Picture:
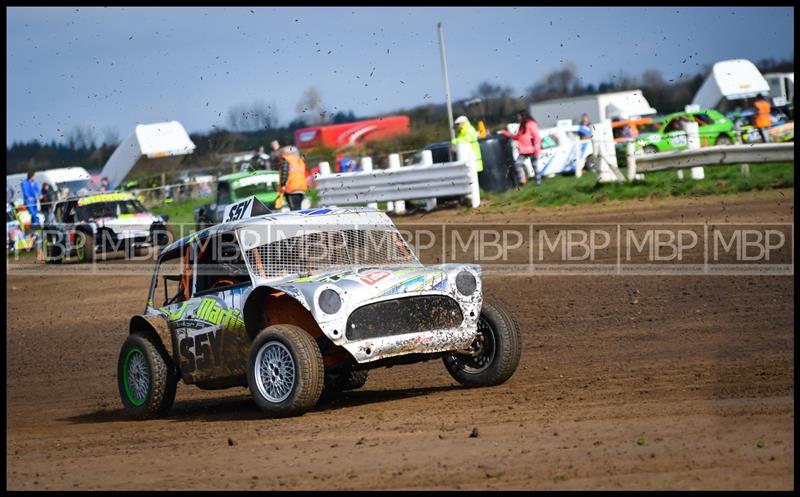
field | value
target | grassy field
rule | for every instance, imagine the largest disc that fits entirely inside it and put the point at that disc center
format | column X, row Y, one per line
column 181, row 212
column 568, row 190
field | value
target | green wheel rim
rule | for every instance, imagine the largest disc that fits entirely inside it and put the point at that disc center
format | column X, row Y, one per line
column 138, row 356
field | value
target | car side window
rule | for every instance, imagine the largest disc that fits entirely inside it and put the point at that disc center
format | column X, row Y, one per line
column 549, row 141
column 220, row 264
column 703, row 119
column 168, row 282
column 674, row 125
column 224, row 193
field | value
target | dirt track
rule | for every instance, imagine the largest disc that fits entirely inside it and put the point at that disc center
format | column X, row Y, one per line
column 658, row 382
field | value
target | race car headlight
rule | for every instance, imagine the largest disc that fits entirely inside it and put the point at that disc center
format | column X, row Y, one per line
column 330, row 301
column 465, row 283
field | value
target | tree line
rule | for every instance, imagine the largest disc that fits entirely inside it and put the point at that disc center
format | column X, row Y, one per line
column 253, row 124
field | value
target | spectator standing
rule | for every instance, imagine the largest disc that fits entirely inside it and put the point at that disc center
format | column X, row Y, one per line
column 762, row 120
column 48, row 198
column 530, row 144
column 466, row 133
column 104, row 185
column 261, row 160
column 275, row 155
column 31, row 193
column 584, row 131
column 293, row 183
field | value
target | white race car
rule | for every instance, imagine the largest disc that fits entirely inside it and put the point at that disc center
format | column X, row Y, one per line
column 562, row 151
column 289, row 303
column 105, row 222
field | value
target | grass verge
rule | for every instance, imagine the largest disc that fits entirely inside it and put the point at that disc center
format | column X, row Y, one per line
column 568, row 190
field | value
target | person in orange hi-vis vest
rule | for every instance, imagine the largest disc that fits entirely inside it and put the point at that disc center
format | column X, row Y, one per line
column 293, row 178
column 762, row 120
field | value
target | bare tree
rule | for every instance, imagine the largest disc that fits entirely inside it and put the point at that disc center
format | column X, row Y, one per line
column 309, row 104
column 494, row 99
column 81, row 137
column 557, row 84
column 110, row 136
column 254, row 116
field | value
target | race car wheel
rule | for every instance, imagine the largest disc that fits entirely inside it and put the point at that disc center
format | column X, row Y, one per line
column 161, row 235
column 85, row 249
column 590, row 164
column 146, row 378
column 650, row 149
column 724, row 140
column 129, row 249
column 53, row 251
column 285, row 371
column 350, row 380
column 494, row 355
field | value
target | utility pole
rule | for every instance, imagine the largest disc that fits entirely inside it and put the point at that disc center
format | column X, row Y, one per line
column 446, row 81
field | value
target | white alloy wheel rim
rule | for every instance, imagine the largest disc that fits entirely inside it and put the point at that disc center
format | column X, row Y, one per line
column 274, row 372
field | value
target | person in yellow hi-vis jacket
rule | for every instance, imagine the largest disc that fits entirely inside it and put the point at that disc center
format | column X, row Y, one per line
column 466, row 133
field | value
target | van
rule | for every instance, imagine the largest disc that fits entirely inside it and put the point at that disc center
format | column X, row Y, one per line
column 65, row 181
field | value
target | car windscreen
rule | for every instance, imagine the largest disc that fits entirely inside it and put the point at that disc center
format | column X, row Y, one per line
column 73, row 188
column 109, row 209
column 649, row 127
column 254, row 185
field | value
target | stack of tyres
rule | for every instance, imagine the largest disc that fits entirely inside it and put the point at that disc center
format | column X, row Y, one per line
column 440, row 152
column 498, row 173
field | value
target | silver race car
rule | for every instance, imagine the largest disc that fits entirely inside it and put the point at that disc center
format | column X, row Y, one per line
column 294, row 304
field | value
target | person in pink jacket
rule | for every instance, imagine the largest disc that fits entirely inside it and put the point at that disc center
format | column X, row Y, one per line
column 530, row 144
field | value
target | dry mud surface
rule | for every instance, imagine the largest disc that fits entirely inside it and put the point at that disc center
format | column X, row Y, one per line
column 634, row 382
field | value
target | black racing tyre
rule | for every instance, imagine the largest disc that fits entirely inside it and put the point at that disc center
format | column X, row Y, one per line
column 129, row 249
column 53, row 251
column 161, row 235
column 724, row 140
column 349, row 380
column 85, row 250
column 590, row 164
column 146, row 377
column 650, row 149
column 494, row 355
column 285, row 371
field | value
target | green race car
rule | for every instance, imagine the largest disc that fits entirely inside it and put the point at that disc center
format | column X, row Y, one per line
column 715, row 129
column 232, row 188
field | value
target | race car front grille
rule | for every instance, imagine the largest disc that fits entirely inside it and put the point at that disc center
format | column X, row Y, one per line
column 325, row 250
column 404, row 315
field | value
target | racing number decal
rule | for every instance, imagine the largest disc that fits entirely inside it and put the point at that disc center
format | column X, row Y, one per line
column 201, row 351
column 239, row 210
column 678, row 140
column 204, row 351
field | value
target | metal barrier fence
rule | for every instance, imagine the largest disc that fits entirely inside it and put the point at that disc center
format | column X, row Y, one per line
column 695, row 157
column 398, row 184
column 761, row 153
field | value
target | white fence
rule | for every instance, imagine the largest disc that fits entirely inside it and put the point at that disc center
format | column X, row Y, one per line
column 424, row 181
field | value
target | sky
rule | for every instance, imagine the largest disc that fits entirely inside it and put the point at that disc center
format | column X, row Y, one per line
column 112, row 68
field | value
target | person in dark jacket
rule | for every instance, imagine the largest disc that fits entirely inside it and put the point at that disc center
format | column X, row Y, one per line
column 47, row 198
